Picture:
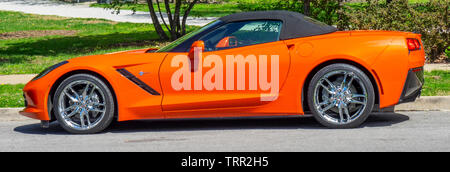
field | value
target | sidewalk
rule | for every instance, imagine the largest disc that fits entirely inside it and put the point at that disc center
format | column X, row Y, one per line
column 11, row 114
column 426, row 103
column 50, row 7
column 16, row 79
column 430, row 67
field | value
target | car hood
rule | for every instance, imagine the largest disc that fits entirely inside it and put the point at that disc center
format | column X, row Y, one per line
column 121, row 58
column 138, row 51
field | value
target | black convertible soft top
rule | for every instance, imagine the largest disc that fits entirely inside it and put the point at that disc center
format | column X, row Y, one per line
column 295, row 25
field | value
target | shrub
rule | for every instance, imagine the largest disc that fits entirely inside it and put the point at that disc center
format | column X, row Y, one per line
column 447, row 51
column 429, row 19
column 433, row 24
column 322, row 10
column 326, row 11
column 263, row 5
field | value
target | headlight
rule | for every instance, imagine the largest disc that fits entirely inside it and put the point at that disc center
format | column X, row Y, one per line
column 48, row 70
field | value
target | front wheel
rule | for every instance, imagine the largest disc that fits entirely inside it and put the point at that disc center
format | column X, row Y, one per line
column 340, row 96
column 83, row 104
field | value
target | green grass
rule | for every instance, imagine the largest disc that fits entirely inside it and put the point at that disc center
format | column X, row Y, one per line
column 11, row 95
column 93, row 36
column 199, row 10
column 447, row 51
column 437, row 83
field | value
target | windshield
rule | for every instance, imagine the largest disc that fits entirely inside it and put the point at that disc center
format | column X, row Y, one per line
column 187, row 36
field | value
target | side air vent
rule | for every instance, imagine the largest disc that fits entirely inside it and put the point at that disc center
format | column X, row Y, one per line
column 138, row 82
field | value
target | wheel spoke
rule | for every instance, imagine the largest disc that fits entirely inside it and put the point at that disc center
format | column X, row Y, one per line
column 343, row 81
column 98, row 104
column 86, row 114
column 91, row 93
column 358, row 95
column 85, row 90
column 347, row 114
column 97, row 110
column 327, row 108
column 76, row 94
column 357, row 102
column 341, row 116
column 71, row 114
column 71, row 97
column 326, row 88
column 69, row 108
column 329, row 83
column 324, row 103
column 351, row 80
column 83, row 125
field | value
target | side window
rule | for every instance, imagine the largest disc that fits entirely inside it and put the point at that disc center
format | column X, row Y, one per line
column 239, row 34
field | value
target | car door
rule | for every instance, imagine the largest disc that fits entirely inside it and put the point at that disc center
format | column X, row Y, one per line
column 243, row 64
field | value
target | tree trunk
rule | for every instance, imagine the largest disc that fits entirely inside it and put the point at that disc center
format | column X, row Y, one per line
column 159, row 30
column 176, row 25
column 176, row 17
column 169, row 13
column 307, row 7
column 186, row 14
column 161, row 15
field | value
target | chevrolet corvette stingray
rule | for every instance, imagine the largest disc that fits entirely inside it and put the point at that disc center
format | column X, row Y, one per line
column 264, row 63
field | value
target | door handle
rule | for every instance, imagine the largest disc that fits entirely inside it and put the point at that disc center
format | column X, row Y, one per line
column 290, row 46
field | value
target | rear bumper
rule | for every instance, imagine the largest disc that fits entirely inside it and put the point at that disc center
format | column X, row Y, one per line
column 413, row 85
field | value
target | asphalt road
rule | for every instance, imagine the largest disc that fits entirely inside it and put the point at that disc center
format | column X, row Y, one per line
column 401, row 131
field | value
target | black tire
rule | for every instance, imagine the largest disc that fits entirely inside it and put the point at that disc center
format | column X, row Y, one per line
column 363, row 80
column 108, row 102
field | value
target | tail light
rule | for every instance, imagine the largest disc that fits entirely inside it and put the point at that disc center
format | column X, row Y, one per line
column 413, row 44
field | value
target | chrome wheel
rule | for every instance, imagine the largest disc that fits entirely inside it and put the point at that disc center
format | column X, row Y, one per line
column 81, row 105
column 340, row 97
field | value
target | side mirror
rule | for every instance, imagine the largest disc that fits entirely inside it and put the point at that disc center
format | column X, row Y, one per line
column 196, row 54
column 197, row 44
column 229, row 41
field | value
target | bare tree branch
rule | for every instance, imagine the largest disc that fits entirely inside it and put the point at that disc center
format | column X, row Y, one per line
column 169, row 13
column 156, row 23
column 176, row 16
column 160, row 14
column 186, row 14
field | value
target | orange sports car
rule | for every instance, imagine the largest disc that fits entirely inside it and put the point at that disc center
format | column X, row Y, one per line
column 264, row 63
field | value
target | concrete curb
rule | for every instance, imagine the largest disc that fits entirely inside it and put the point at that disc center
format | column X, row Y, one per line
column 436, row 66
column 425, row 103
column 12, row 114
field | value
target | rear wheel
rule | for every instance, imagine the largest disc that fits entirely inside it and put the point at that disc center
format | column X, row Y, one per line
column 83, row 104
column 340, row 96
